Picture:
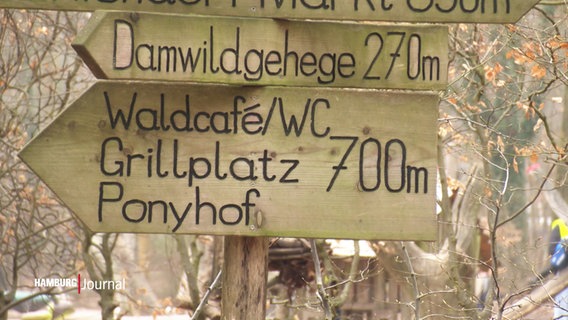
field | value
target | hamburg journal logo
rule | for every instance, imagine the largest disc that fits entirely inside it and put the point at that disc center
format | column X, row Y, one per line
column 80, row 284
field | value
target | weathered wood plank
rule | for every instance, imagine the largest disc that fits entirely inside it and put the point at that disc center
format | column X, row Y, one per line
column 211, row 159
column 264, row 52
column 245, row 268
column 468, row 11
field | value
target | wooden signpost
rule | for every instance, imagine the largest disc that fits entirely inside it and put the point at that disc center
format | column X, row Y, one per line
column 210, row 159
column 264, row 52
column 449, row 11
column 252, row 162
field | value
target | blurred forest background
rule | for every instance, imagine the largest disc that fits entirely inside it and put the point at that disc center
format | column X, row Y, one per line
column 503, row 143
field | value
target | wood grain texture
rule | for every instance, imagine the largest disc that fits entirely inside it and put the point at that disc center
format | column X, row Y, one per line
column 242, row 51
column 211, row 159
column 451, row 11
column 245, row 268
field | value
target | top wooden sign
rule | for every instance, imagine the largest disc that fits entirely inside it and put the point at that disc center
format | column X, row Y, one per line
column 447, row 11
column 245, row 51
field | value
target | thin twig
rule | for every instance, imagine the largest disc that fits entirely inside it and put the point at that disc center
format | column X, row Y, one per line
column 533, row 200
column 203, row 301
column 322, row 295
column 414, row 283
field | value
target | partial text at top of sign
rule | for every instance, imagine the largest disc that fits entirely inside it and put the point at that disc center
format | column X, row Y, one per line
column 467, row 11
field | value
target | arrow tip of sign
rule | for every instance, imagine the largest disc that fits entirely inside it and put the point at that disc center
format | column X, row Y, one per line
column 89, row 60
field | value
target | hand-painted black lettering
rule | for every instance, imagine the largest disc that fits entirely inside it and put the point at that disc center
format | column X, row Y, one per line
column 469, row 10
column 377, row 164
column 180, row 119
column 368, row 75
column 448, row 10
column 292, row 124
column 134, row 203
column 431, row 65
column 320, row 4
column 115, row 195
column 145, row 50
column 236, row 113
column 170, row 53
column 119, row 116
column 119, row 169
column 341, row 165
column 386, row 7
column 212, row 68
column 257, row 58
column 265, row 160
column 308, row 60
column 160, row 203
column 327, row 65
column 269, row 116
column 218, row 174
column 147, row 119
column 191, row 58
column 220, row 122
column 369, row 3
column 242, row 169
column 327, row 129
column 159, row 172
column 402, row 165
column 129, row 158
column 418, row 64
column 416, row 172
column 178, row 175
column 293, row 164
column 416, row 9
column 457, row 6
column 289, row 54
column 346, row 65
column 233, row 59
column 413, row 61
column 252, row 120
column 122, row 55
column 149, row 162
column 191, row 2
column 248, row 204
column 163, row 125
column 308, row 4
column 396, row 54
column 111, row 195
column 230, row 207
column 273, row 58
column 204, row 115
column 179, row 219
column 199, row 206
column 199, row 168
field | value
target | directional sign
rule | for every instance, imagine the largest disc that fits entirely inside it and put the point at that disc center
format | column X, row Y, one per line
column 264, row 52
column 467, row 11
column 258, row 161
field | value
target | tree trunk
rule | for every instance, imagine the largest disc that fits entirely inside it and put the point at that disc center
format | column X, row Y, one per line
column 107, row 304
column 244, row 278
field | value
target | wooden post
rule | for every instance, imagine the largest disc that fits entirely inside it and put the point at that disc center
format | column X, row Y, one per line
column 244, row 278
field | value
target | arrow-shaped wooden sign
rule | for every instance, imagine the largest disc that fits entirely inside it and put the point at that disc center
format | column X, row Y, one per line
column 451, row 11
column 209, row 159
column 264, row 52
